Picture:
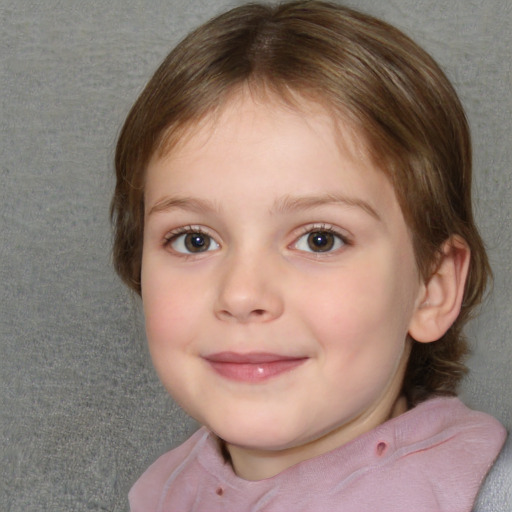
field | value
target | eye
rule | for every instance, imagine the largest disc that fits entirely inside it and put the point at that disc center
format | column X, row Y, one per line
column 191, row 242
column 320, row 240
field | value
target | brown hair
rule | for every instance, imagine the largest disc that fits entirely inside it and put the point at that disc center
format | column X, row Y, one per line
column 363, row 69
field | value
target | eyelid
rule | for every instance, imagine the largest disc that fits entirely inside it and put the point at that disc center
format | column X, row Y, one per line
column 324, row 226
column 189, row 228
column 345, row 238
column 174, row 234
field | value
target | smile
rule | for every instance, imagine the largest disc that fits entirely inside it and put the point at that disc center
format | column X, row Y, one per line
column 253, row 367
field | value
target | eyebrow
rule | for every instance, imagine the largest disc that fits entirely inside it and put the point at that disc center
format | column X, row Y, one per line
column 192, row 204
column 293, row 203
column 283, row 205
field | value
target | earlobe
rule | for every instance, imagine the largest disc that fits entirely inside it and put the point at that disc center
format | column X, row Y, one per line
column 440, row 298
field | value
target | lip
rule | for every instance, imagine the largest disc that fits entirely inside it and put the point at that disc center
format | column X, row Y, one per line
column 252, row 367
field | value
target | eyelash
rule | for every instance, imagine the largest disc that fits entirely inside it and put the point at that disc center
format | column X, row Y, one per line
column 175, row 234
column 323, row 228
column 306, row 230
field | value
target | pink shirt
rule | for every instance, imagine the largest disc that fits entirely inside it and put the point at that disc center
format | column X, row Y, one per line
column 432, row 458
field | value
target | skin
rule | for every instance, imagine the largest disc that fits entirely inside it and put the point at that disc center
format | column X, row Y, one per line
column 255, row 182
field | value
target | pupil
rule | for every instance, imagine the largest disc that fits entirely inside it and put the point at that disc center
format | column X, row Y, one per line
column 321, row 241
column 196, row 242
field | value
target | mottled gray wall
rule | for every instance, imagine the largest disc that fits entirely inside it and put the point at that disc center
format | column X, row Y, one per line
column 81, row 411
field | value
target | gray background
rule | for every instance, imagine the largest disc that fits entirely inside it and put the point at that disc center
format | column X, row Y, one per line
column 81, row 411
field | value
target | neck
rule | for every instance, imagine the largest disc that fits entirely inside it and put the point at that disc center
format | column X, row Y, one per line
column 258, row 464
column 255, row 464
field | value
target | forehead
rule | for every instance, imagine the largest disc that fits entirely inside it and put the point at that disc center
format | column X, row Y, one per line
column 244, row 103
column 270, row 150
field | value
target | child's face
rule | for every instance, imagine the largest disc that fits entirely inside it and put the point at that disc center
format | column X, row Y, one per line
column 278, row 280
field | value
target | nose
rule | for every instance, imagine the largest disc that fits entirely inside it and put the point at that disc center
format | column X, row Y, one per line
column 249, row 290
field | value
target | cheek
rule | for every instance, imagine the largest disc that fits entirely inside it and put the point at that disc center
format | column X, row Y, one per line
column 362, row 335
column 359, row 310
column 170, row 322
column 168, row 309
column 348, row 302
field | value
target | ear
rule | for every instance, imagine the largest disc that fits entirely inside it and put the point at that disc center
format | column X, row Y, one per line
column 440, row 298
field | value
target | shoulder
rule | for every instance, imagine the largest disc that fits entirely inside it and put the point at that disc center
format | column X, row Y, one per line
column 145, row 495
column 448, row 420
column 443, row 450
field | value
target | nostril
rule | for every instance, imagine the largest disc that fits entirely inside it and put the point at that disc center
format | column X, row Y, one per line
column 259, row 312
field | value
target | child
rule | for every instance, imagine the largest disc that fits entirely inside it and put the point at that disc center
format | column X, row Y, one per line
column 293, row 206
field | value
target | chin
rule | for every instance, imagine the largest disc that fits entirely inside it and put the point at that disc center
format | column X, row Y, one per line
column 257, row 437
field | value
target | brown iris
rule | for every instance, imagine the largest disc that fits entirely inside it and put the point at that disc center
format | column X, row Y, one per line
column 197, row 242
column 321, row 241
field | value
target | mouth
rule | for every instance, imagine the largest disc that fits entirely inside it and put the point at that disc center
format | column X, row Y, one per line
column 252, row 367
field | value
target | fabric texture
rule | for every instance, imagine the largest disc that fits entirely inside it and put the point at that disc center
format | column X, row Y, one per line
column 432, row 458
